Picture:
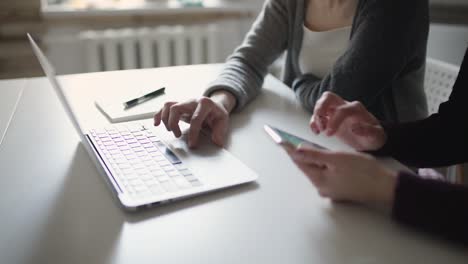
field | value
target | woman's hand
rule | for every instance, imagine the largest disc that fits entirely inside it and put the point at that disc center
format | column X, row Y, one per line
column 349, row 121
column 212, row 112
column 344, row 176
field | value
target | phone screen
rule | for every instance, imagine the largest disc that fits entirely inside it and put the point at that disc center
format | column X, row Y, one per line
column 280, row 137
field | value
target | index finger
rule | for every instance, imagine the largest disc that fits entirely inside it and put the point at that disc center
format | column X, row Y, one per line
column 327, row 102
column 196, row 122
column 324, row 107
column 157, row 118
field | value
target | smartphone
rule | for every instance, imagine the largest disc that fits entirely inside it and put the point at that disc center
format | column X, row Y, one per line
column 281, row 137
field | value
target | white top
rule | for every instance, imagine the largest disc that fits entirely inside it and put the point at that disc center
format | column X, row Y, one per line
column 320, row 50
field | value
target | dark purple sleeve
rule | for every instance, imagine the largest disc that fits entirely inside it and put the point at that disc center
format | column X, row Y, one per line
column 439, row 140
column 436, row 207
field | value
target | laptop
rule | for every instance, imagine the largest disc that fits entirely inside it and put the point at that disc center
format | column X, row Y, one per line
column 142, row 168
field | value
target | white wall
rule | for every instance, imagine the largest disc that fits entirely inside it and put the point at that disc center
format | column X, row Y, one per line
column 448, row 42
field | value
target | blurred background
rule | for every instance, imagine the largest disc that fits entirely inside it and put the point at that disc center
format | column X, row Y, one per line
column 96, row 35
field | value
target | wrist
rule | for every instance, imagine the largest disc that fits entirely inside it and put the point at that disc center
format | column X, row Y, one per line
column 225, row 99
column 384, row 191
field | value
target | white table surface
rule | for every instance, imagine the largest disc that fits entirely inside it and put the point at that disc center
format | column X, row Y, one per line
column 10, row 94
column 57, row 209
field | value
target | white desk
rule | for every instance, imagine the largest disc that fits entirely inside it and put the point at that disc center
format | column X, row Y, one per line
column 10, row 94
column 57, row 209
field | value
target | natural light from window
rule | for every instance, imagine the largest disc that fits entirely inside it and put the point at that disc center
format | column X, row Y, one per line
column 123, row 4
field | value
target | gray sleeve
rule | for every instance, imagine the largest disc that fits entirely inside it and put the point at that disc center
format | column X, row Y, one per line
column 386, row 39
column 245, row 69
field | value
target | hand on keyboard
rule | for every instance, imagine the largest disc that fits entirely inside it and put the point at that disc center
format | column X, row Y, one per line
column 199, row 113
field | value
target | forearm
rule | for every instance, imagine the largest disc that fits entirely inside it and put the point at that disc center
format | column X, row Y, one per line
column 432, row 206
column 432, row 142
column 244, row 71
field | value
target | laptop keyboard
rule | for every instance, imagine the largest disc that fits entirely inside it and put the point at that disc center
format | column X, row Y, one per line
column 141, row 162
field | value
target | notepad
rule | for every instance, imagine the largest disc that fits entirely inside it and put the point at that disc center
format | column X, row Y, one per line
column 114, row 110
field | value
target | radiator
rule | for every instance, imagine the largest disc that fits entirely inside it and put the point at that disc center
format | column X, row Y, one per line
column 117, row 49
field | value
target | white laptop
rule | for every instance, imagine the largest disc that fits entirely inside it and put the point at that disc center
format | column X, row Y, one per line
column 143, row 170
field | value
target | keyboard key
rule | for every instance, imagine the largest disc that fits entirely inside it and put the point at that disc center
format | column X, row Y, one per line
column 113, row 150
column 147, row 158
column 139, row 166
column 185, row 172
column 128, row 137
column 153, row 151
column 155, row 168
column 135, row 183
column 154, row 139
column 118, row 155
column 160, row 176
column 146, row 177
column 190, row 178
column 124, row 166
column 130, row 176
column 160, row 157
column 164, row 163
column 169, row 186
column 121, row 144
column 180, row 166
column 145, row 141
column 127, row 152
column 163, row 178
column 182, row 182
column 138, row 149
column 167, row 169
column 127, row 170
column 133, row 143
column 196, row 183
column 151, row 182
column 134, row 162
column 173, row 173
column 144, row 173
column 141, row 154
column 156, row 189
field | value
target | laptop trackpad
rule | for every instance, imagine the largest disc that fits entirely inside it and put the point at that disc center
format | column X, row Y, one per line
column 208, row 161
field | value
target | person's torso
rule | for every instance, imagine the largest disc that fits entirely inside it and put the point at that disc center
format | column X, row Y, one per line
column 393, row 100
column 320, row 50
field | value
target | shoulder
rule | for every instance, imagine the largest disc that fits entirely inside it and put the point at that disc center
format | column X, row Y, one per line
column 284, row 6
column 391, row 5
column 393, row 11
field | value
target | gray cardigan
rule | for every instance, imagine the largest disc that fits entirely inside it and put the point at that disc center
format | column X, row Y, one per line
column 383, row 67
